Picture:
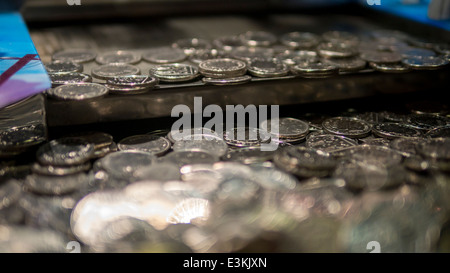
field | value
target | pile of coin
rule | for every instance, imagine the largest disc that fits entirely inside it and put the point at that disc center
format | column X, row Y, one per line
column 333, row 184
column 237, row 59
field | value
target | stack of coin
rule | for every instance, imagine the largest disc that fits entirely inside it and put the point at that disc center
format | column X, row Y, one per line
column 132, row 84
column 289, row 130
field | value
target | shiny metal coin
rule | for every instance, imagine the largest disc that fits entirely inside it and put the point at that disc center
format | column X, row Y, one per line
column 120, row 56
column 299, row 56
column 329, row 143
column 98, row 139
column 108, row 71
column 435, row 148
column 61, row 78
column 78, row 91
column 319, row 69
column 55, row 67
column 258, row 38
column 392, row 130
column 246, row 136
column 439, row 132
column 65, row 152
column 248, row 155
column 381, row 56
column 55, row 185
column 175, row 135
column 133, row 81
column 227, row 43
column 146, row 143
column 272, row 67
column 416, row 52
column 273, row 179
column 175, row 72
column 182, row 158
column 189, row 45
column 336, row 50
column 227, row 81
column 406, row 145
column 222, row 68
column 201, row 55
column 59, row 170
column 427, row 121
column 340, row 37
column 374, row 154
column 300, row 39
column 126, row 90
column 164, row 55
column 245, row 54
column 22, row 136
column 347, row 64
column 390, row 67
column 287, row 128
column 425, row 63
column 74, row 55
column 345, row 126
column 124, row 164
column 205, row 142
column 376, row 141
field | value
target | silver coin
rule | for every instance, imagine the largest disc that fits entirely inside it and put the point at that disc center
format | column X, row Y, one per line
column 390, row 67
column 126, row 90
column 272, row 67
column 55, row 67
column 248, row 155
column 98, row 139
column 392, row 130
column 133, row 80
column 164, row 55
column 300, row 39
column 376, row 141
column 336, row 50
column 288, row 128
column 222, row 68
column 340, row 37
column 78, row 91
column 381, row 56
column 416, row 52
column 22, row 136
column 189, row 45
column 182, row 158
column 329, row 143
column 205, row 54
column 273, row 179
column 108, row 71
column 207, row 143
column 439, row 132
column 74, row 55
column 50, row 170
column 347, row 64
column 246, row 136
column 345, row 126
column 124, row 164
column 61, row 78
column 175, row 135
column 426, row 63
column 245, row 54
column 258, row 38
column 427, row 121
column 318, row 69
column 120, row 56
column 374, row 154
column 435, row 148
column 227, row 81
column 65, row 152
column 406, row 145
column 55, row 185
column 227, row 43
column 146, row 143
column 175, row 72
column 299, row 56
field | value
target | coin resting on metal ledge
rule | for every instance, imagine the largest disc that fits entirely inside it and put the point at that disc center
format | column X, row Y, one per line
column 416, row 52
column 227, row 43
column 74, row 55
column 300, row 39
column 201, row 55
column 345, row 126
column 340, row 37
column 60, row 78
column 246, row 136
column 227, row 81
column 336, row 50
column 58, row 66
column 145, row 143
column 164, row 55
column 314, row 70
column 222, row 68
column 426, row 62
column 78, row 91
column 298, row 56
column 189, row 45
column 392, row 130
column 376, row 141
column 347, row 64
column 176, row 72
column 126, row 90
column 329, row 143
column 267, row 67
column 65, row 152
column 287, row 128
column 258, row 38
column 390, row 67
column 245, row 54
column 205, row 142
column 107, row 71
column 22, row 137
column 381, row 56
column 133, row 81
column 120, row 56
